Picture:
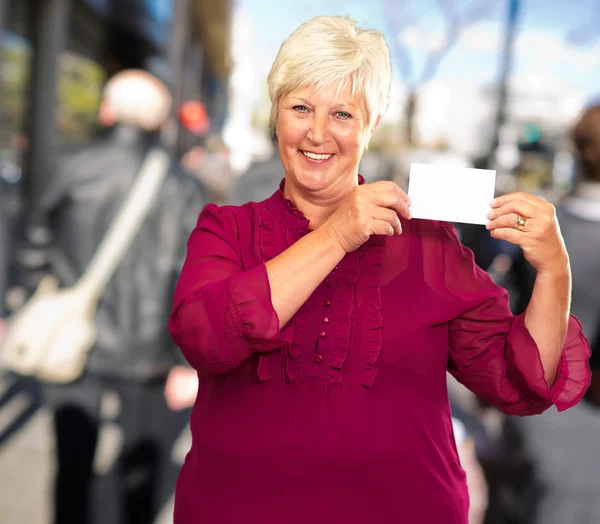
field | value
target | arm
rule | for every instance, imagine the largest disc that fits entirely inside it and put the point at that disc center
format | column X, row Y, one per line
column 493, row 353
column 371, row 209
column 190, row 193
column 299, row 270
column 224, row 314
column 547, row 313
column 547, row 318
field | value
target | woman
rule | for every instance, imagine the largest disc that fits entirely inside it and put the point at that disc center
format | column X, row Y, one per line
column 322, row 321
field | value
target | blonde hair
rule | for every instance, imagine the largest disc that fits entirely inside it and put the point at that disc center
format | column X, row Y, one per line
column 138, row 98
column 332, row 49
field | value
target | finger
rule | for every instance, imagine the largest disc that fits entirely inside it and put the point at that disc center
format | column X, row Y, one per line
column 382, row 227
column 507, row 221
column 405, row 197
column 384, row 186
column 389, row 216
column 393, row 200
column 505, row 199
column 514, row 236
column 518, row 207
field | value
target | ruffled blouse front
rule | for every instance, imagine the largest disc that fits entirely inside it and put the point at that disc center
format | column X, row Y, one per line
column 342, row 414
column 334, row 299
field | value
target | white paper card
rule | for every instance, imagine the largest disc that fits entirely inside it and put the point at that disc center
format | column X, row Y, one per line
column 452, row 194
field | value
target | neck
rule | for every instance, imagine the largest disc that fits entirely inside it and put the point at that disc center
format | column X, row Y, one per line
column 318, row 206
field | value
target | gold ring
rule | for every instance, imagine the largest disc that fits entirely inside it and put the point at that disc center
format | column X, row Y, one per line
column 520, row 223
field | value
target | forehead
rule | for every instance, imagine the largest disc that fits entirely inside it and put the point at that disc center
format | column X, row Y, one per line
column 330, row 94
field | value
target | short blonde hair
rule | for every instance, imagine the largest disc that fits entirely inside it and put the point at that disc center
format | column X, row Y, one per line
column 332, row 49
column 138, row 98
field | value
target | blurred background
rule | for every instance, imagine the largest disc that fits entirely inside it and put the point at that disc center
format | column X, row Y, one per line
column 495, row 84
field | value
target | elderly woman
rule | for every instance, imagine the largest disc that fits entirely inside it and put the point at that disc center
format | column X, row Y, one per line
column 322, row 321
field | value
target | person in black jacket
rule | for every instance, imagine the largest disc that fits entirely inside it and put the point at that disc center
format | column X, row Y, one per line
column 134, row 361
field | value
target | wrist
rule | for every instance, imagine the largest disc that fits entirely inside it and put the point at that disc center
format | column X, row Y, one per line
column 328, row 238
column 560, row 270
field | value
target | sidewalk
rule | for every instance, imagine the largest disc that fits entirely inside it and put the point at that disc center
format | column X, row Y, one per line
column 25, row 463
column 26, row 460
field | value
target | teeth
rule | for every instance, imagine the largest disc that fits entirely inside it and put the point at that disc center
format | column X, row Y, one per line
column 315, row 156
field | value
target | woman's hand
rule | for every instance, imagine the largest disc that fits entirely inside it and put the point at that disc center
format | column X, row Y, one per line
column 371, row 209
column 540, row 237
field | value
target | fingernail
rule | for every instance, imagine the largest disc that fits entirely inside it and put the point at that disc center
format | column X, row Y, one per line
column 491, row 214
column 493, row 202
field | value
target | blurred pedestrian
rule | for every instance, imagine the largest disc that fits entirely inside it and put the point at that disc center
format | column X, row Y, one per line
column 210, row 164
column 133, row 356
column 260, row 180
column 570, row 472
column 579, row 216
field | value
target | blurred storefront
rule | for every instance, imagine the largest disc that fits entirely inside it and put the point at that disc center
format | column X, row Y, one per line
column 55, row 56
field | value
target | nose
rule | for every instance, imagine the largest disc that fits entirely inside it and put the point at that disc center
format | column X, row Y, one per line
column 318, row 131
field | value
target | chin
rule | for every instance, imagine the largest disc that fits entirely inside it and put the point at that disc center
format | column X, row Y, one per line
column 313, row 180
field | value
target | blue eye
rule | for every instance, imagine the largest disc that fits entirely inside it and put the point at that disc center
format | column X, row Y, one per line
column 343, row 115
column 301, row 109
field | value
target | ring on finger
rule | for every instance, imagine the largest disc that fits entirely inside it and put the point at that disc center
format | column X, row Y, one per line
column 520, row 223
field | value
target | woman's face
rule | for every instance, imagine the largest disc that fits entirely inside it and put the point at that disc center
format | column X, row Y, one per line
column 322, row 136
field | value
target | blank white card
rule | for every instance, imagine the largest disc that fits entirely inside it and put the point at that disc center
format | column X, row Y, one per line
column 452, row 194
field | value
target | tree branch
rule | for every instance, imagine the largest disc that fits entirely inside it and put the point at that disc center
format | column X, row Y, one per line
column 396, row 24
column 455, row 22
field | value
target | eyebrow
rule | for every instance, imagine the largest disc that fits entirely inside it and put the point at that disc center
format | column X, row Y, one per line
column 343, row 105
column 349, row 107
column 300, row 99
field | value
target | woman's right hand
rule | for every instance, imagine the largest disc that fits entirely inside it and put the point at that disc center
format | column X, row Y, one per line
column 371, row 209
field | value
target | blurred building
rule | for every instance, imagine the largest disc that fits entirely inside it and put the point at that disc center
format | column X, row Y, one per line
column 56, row 54
column 461, row 113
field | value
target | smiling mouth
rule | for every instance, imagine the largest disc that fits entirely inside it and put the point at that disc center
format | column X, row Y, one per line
column 316, row 157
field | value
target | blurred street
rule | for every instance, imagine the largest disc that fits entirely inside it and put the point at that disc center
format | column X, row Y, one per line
column 26, row 458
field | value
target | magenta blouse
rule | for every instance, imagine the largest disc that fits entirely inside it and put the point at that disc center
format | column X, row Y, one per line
column 342, row 415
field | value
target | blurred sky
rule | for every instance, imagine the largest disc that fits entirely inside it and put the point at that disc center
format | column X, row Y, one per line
column 545, row 49
column 556, row 62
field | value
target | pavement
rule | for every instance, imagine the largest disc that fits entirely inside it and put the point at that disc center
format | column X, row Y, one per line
column 26, row 454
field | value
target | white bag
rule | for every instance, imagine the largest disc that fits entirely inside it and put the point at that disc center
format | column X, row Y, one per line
column 51, row 335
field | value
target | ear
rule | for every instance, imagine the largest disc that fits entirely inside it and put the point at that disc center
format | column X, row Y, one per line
column 377, row 122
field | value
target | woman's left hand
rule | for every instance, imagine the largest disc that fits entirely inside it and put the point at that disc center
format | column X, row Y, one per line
column 539, row 238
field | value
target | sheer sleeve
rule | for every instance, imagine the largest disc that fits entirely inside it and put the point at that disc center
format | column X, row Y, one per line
column 222, row 312
column 492, row 352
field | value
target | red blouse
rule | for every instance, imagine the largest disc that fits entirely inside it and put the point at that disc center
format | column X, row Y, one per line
column 342, row 415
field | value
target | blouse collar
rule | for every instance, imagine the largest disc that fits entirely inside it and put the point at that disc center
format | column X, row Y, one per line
column 287, row 212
